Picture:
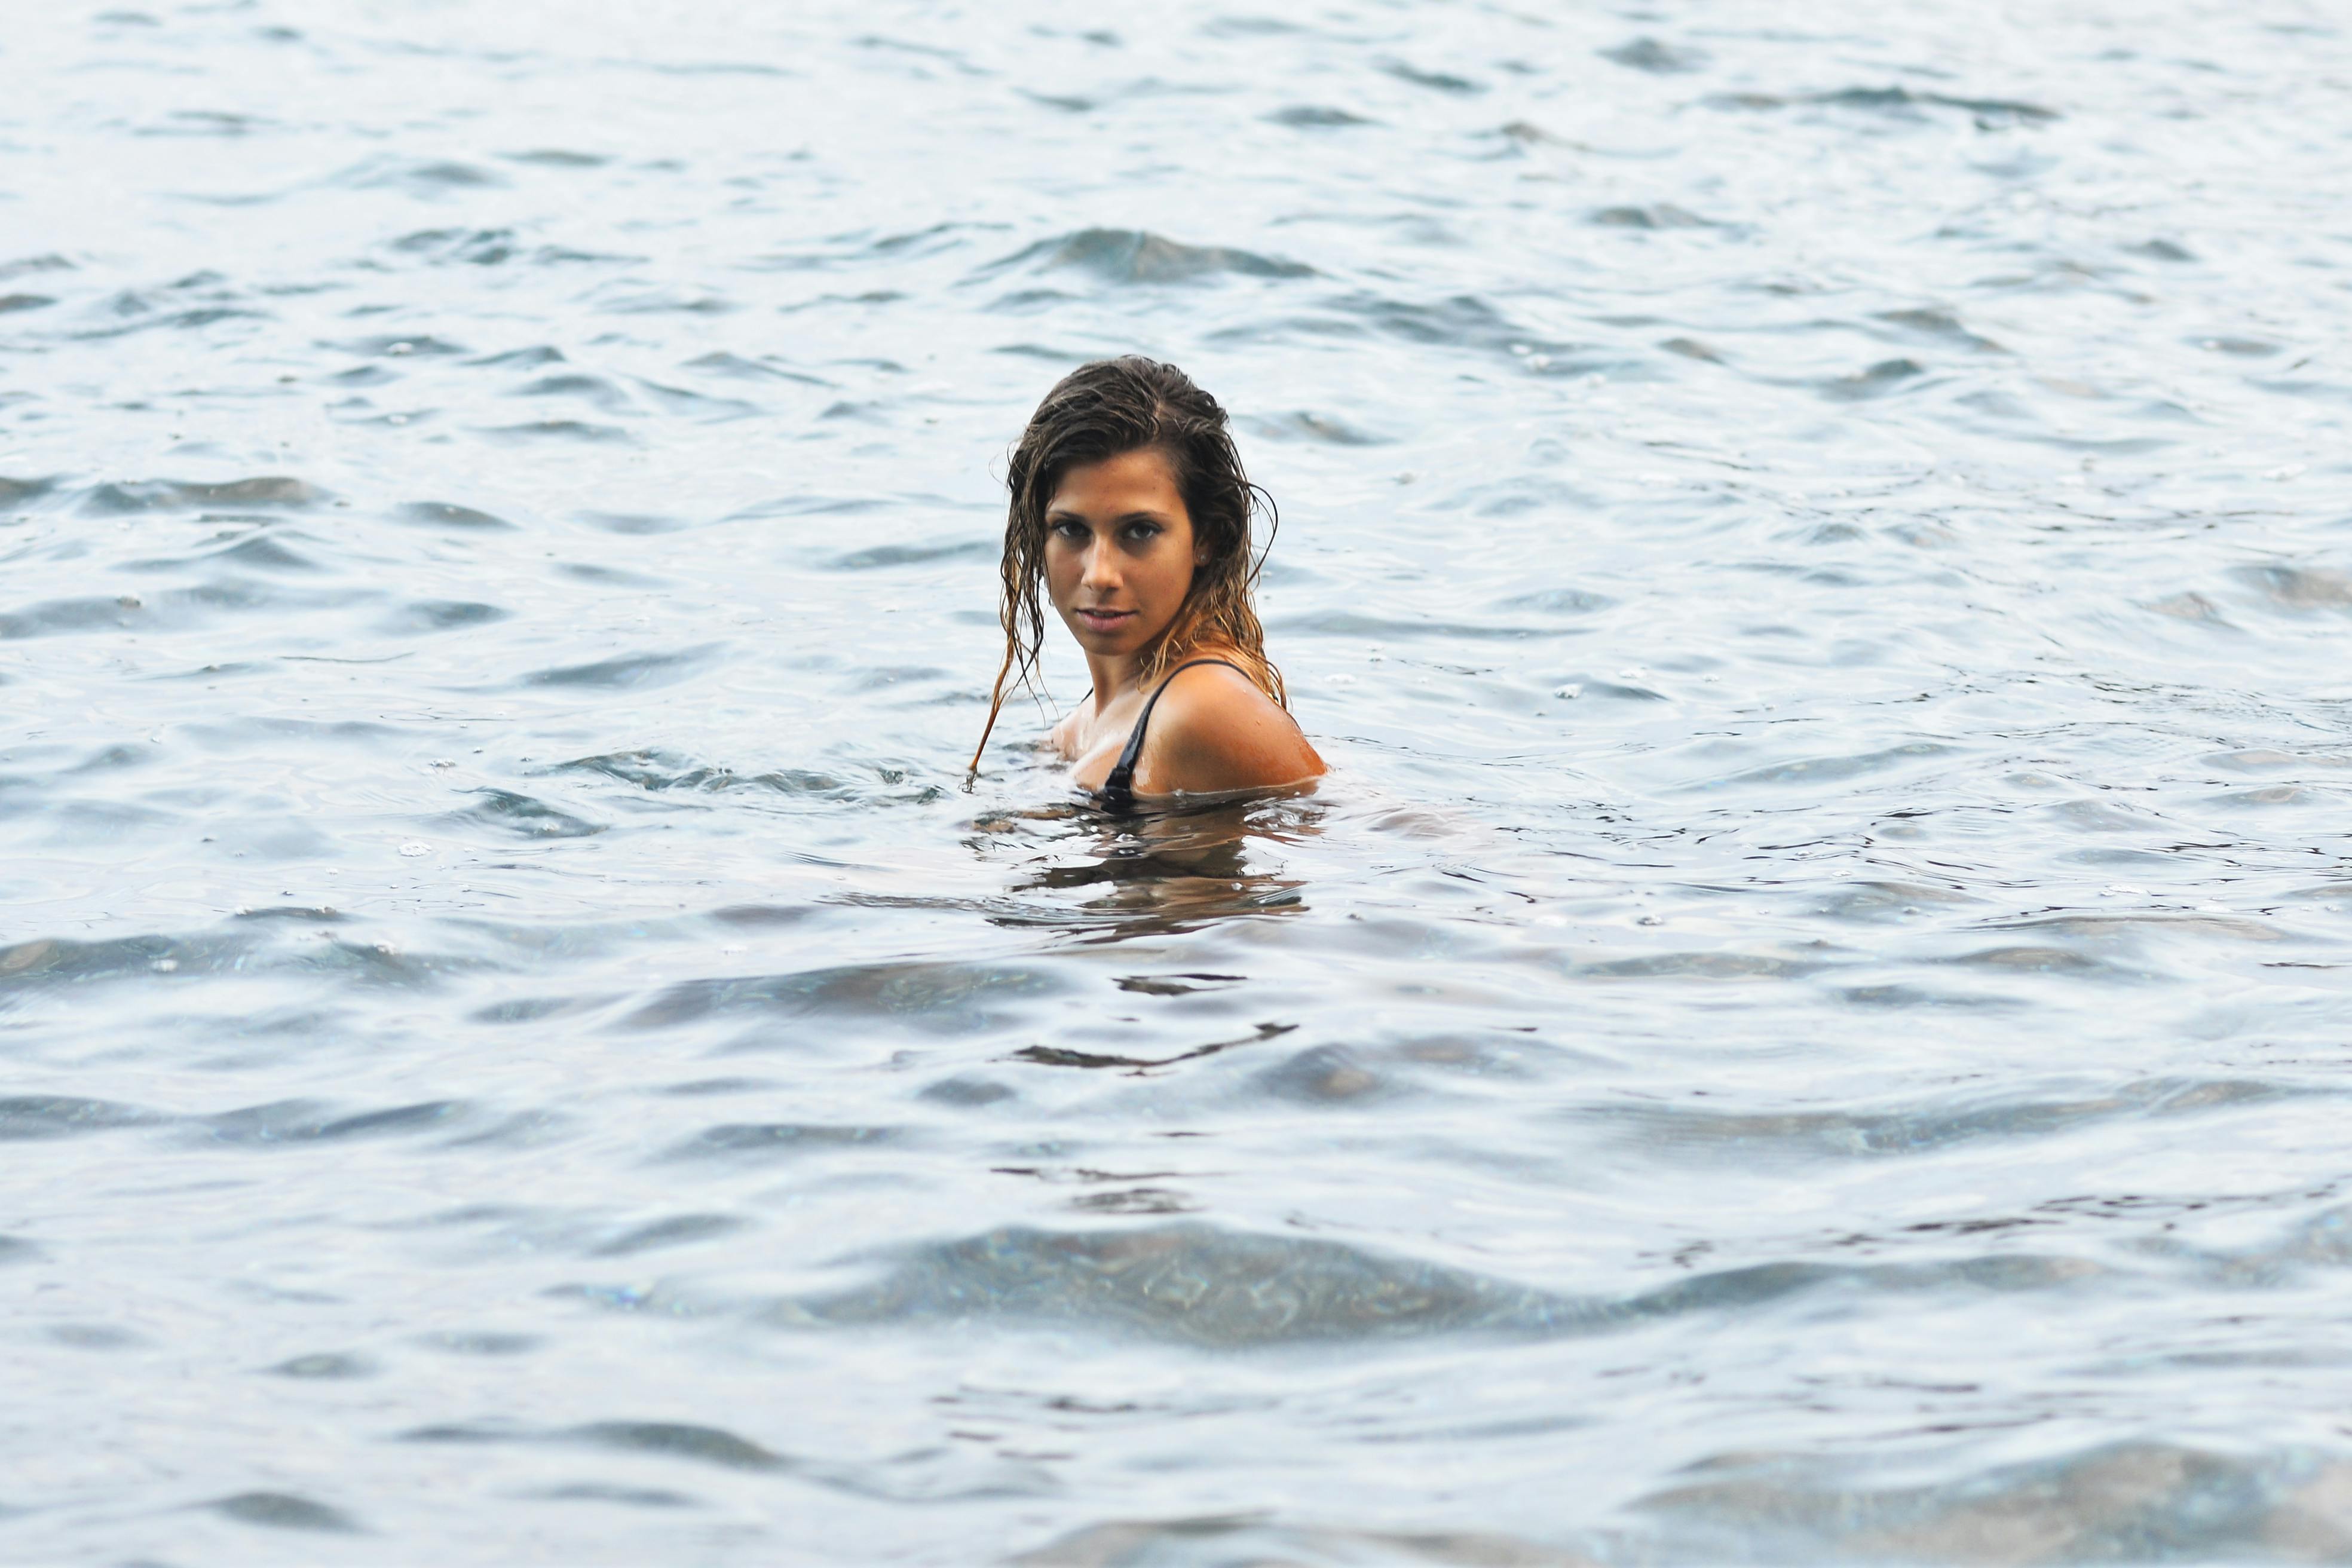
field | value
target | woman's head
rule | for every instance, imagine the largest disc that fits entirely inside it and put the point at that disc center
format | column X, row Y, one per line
column 1120, row 554
column 1117, row 442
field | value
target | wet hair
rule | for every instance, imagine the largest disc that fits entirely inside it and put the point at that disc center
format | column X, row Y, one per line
column 1105, row 410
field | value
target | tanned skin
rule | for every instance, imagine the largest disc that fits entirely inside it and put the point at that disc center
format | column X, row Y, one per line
column 1119, row 558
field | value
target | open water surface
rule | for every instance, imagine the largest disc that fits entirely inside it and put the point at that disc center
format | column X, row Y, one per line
column 1809, row 1023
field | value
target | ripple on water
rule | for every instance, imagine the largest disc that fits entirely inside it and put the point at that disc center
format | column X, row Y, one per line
column 1318, row 117
column 1211, row 1288
column 284, row 1511
column 1304, row 425
column 260, row 552
column 448, row 516
column 592, row 390
column 944, row 998
column 301, row 1122
column 329, row 1366
column 657, row 771
column 425, row 177
column 507, row 811
column 441, row 616
column 2107, row 1503
column 738, row 368
column 2300, row 588
column 1900, row 104
column 27, row 1117
column 629, row 671
column 45, row 962
column 499, row 587
column 558, row 431
column 1225, row 1538
column 1655, row 215
column 1902, row 1130
column 738, row 1141
column 677, row 1230
column 66, row 616
column 120, row 498
column 1126, row 255
column 632, row 524
column 448, row 246
column 887, row 555
column 663, row 1440
column 395, row 345
column 1658, row 58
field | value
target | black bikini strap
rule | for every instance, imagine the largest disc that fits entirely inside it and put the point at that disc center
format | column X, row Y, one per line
column 1117, row 790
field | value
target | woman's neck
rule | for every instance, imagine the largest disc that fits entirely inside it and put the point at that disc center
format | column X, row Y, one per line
column 1115, row 674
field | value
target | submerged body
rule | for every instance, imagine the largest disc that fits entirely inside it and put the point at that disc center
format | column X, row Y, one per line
column 1131, row 513
column 1120, row 558
column 1195, row 734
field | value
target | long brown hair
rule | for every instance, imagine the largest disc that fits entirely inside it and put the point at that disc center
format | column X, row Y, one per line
column 1100, row 411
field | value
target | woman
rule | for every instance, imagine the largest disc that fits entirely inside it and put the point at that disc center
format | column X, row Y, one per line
column 1130, row 506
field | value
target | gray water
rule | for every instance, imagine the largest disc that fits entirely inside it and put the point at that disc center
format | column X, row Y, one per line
column 1808, row 1023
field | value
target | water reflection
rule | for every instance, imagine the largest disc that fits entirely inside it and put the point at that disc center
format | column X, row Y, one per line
column 1160, row 874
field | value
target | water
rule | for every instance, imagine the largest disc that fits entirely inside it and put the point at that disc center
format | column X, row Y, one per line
column 1808, row 1022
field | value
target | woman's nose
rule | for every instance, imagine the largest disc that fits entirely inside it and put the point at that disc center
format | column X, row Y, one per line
column 1101, row 568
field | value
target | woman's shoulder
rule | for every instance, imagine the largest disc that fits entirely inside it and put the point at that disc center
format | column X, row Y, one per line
column 1213, row 729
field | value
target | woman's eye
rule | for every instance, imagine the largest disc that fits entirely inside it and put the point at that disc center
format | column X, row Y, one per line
column 1141, row 532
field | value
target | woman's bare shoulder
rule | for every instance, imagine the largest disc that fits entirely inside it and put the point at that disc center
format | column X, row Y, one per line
column 1213, row 730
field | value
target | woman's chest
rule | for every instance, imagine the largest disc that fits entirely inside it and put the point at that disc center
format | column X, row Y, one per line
column 1093, row 743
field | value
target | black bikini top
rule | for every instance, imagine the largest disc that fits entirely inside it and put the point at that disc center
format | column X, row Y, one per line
column 1118, row 793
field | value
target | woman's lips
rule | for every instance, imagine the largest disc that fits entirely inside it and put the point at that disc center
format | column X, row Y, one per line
column 1103, row 620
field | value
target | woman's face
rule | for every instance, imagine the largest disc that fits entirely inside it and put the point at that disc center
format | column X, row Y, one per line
column 1119, row 553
